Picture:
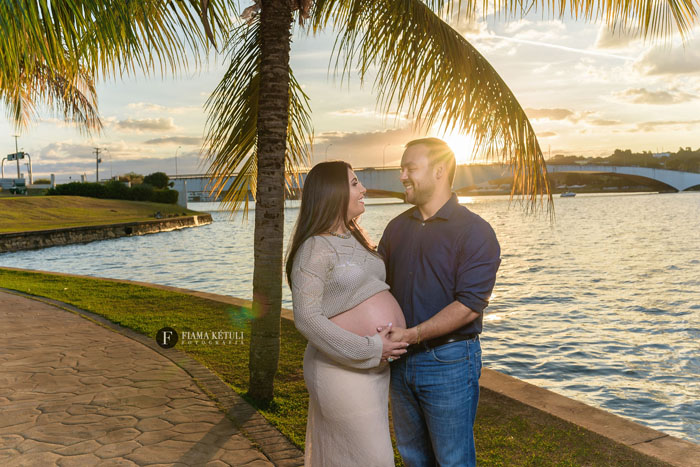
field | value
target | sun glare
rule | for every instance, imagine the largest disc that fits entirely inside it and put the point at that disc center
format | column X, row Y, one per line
column 462, row 145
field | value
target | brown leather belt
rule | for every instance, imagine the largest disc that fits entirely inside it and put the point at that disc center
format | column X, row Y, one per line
column 438, row 341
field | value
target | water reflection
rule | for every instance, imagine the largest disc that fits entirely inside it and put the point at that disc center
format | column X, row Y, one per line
column 602, row 306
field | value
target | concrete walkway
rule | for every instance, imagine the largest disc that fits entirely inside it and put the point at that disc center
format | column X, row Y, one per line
column 73, row 392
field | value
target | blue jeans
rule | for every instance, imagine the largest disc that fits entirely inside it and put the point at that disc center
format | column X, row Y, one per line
column 434, row 396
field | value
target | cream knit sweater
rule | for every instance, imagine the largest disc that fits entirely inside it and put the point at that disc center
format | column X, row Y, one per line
column 331, row 275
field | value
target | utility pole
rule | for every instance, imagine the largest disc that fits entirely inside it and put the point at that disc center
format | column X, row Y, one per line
column 97, row 164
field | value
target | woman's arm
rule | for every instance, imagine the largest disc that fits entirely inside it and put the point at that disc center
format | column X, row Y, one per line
column 312, row 265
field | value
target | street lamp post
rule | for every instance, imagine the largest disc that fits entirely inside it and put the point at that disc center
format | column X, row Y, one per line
column 17, row 152
column 97, row 165
column 178, row 148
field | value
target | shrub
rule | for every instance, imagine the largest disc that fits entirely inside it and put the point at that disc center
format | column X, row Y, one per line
column 157, row 180
column 116, row 190
column 92, row 190
column 42, row 181
column 165, row 196
column 142, row 192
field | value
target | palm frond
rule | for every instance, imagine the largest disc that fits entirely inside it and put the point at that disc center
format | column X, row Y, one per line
column 110, row 36
column 73, row 97
column 429, row 71
column 231, row 139
column 649, row 18
column 57, row 39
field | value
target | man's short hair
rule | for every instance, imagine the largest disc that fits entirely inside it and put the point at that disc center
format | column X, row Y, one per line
column 438, row 151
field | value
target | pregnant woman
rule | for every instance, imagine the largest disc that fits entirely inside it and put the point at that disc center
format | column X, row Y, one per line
column 340, row 298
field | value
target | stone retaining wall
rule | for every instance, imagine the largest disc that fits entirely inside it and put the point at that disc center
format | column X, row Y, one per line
column 662, row 446
column 45, row 238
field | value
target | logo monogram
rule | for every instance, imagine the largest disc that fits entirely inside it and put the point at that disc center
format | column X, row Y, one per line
column 166, row 337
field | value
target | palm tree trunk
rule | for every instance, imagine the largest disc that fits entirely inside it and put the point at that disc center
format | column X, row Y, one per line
column 273, row 118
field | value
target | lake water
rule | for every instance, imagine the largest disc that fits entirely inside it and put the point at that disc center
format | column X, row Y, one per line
column 603, row 306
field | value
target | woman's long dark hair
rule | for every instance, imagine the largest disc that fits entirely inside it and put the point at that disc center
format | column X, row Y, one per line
column 324, row 200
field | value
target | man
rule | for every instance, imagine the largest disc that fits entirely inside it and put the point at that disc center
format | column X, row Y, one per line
column 441, row 262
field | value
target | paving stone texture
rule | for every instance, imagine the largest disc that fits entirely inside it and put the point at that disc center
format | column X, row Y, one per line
column 73, row 392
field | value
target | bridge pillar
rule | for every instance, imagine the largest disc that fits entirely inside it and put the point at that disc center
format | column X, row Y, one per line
column 182, row 193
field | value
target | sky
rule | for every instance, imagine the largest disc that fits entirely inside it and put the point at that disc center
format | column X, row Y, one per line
column 586, row 90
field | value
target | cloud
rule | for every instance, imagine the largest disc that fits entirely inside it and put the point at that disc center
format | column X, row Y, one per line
column 552, row 31
column 73, row 159
column 187, row 164
column 368, row 113
column 678, row 124
column 603, row 122
column 364, row 149
column 560, row 122
column 148, row 107
column 175, row 140
column 66, row 151
column 475, row 26
column 670, row 61
column 551, row 114
column 644, row 96
column 469, row 20
column 568, row 115
column 365, row 138
column 617, row 39
column 146, row 124
column 363, row 112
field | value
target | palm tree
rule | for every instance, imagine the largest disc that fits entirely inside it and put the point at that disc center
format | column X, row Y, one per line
column 423, row 67
column 253, row 131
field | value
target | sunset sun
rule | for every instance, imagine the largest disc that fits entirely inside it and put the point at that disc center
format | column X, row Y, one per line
column 462, row 145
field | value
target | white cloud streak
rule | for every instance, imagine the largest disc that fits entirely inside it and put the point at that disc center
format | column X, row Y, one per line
column 560, row 47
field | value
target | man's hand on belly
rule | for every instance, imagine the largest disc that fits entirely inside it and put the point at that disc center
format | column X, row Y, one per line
column 398, row 334
column 453, row 316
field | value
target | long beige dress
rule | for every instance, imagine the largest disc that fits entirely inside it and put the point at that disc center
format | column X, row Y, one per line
column 348, row 422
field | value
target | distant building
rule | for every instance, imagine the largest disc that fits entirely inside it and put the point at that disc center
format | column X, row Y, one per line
column 661, row 155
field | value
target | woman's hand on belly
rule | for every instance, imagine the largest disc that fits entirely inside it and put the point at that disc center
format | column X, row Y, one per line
column 390, row 348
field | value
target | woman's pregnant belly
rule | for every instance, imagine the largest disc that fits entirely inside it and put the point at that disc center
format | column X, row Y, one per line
column 378, row 310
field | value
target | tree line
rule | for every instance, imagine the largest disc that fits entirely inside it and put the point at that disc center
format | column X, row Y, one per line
column 685, row 159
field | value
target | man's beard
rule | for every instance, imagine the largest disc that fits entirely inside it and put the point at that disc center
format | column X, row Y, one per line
column 420, row 196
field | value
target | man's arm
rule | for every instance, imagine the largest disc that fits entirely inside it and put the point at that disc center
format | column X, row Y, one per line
column 452, row 317
column 479, row 260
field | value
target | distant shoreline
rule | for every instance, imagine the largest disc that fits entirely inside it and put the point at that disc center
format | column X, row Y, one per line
column 557, row 191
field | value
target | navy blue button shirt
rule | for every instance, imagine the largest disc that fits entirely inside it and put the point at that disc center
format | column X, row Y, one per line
column 430, row 263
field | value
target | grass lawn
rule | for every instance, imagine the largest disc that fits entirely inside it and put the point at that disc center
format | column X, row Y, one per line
column 507, row 433
column 22, row 213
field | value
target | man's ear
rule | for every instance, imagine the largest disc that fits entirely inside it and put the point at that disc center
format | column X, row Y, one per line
column 439, row 171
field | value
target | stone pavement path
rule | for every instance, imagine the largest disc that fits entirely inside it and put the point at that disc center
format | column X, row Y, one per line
column 75, row 393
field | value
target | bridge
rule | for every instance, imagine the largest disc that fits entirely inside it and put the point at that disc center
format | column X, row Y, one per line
column 679, row 181
column 385, row 181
